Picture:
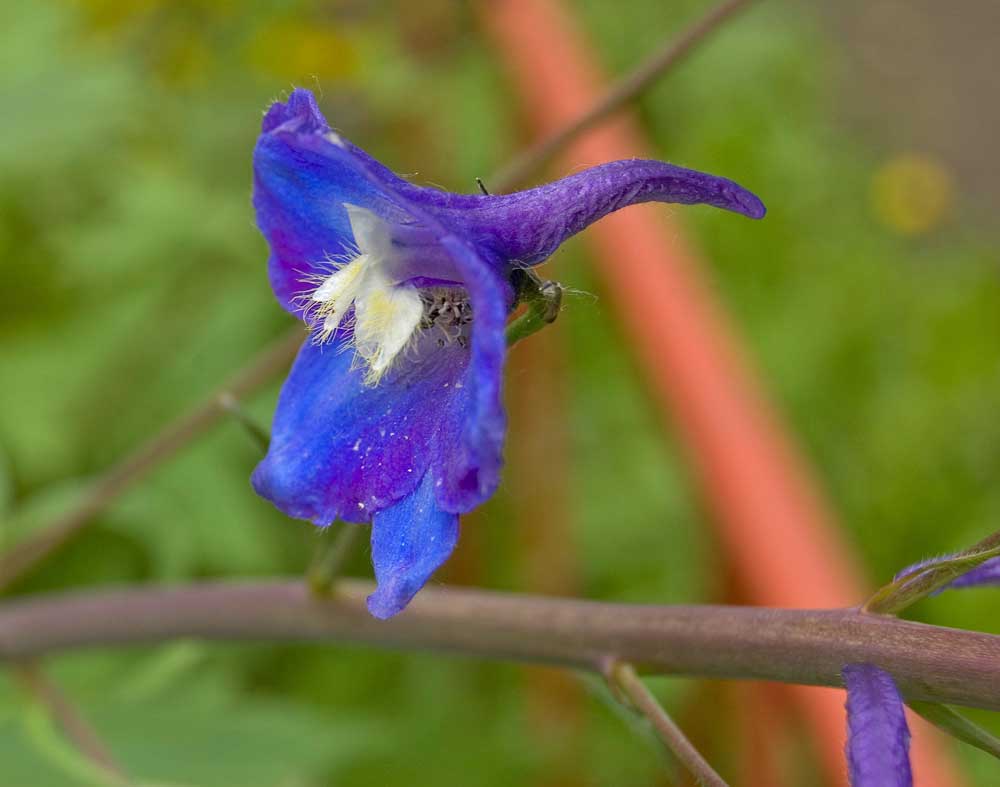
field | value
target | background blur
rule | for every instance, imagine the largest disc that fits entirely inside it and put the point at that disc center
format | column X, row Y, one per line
column 133, row 282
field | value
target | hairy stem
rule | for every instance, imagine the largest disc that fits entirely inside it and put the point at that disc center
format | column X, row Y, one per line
column 627, row 88
column 793, row 646
column 626, row 683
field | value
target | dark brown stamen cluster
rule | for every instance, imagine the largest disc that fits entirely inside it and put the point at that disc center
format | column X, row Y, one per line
column 447, row 308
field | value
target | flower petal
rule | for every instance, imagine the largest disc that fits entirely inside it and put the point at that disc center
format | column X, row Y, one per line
column 410, row 541
column 304, row 174
column 343, row 449
column 528, row 226
column 878, row 741
column 470, row 470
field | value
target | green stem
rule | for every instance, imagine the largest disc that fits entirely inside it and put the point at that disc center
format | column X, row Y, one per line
column 957, row 726
column 542, row 300
column 626, row 685
column 328, row 565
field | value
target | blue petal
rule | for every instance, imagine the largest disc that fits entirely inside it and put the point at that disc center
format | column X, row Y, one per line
column 471, row 472
column 878, row 740
column 410, row 541
column 528, row 226
column 341, row 449
column 303, row 176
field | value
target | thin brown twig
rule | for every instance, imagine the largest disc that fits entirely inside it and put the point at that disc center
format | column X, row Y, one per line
column 25, row 555
column 73, row 725
column 626, row 685
column 620, row 93
column 929, row 663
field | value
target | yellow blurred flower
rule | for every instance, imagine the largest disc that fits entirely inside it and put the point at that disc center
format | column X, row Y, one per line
column 298, row 49
column 912, row 193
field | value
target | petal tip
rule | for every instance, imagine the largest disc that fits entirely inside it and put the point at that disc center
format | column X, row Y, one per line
column 746, row 202
column 387, row 601
column 300, row 109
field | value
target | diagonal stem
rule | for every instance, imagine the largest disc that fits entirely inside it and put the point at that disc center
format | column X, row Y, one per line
column 627, row 88
column 628, row 687
column 17, row 561
column 331, row 556
column 30, row 675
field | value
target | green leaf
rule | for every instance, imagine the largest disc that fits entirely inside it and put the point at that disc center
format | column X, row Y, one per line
column 958, row 726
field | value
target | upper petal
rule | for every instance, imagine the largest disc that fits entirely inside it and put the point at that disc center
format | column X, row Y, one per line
column 304, row 175
column 528, row 226
column 878, row 741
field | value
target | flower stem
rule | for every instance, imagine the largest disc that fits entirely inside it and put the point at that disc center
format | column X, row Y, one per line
column 628, row 687
column 811, row 647
column 330, row 558
column 956, row 725
column 257, row 433
column 542, row 300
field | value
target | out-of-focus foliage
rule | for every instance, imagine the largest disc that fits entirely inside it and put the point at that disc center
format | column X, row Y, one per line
column 133, row 281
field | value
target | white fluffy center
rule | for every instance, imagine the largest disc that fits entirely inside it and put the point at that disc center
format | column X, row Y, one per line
column 387, row 311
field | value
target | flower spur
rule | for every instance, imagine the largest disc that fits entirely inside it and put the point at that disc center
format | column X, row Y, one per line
column 392, row 412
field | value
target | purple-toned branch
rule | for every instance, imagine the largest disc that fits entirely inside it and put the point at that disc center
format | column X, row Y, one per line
column 793, row 646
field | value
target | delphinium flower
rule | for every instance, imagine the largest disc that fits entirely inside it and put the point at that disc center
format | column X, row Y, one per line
column 878, row 739
column 392, row 412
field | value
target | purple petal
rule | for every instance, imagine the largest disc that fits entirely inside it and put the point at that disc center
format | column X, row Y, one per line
column 342, row 449
column 987, row 573
column 302, row 180
column 473, row 471
column 528, row 226
column 878, row 740
column 410, row 541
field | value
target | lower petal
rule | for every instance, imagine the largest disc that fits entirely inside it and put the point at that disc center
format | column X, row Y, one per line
column 410, row 541
column 343, row 449
column 878, row 740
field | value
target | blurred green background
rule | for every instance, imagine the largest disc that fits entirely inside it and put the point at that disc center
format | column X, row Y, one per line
column 133, row 282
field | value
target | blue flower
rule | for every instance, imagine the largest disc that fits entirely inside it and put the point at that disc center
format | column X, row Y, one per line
column 392, row 412
column 878, row 739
